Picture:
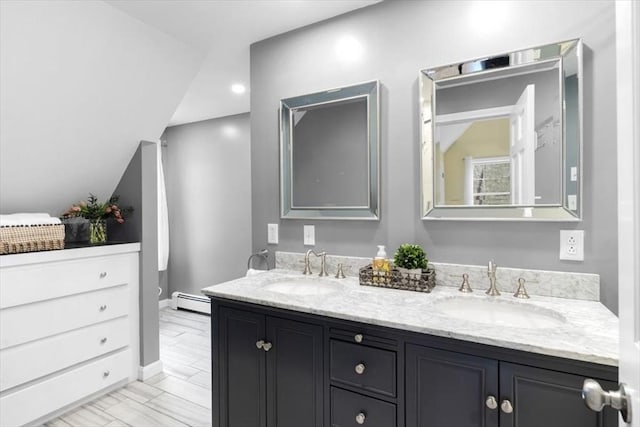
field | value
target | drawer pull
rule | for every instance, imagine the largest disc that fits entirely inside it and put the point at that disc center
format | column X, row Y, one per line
column 360, row 418
column 103, row 274
column 358, row 338
column 506, row 406
column 491, row 402
column 103, row 340
column 105, row 374
column 359, row 368
column 103, row 307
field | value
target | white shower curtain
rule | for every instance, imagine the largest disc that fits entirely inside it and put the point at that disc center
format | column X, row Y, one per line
column 163, row 216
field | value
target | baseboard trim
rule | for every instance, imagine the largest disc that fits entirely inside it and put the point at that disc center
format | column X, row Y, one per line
column 164, row 303
column 146, row 372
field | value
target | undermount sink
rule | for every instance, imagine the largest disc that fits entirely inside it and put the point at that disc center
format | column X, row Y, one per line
column 302, row 286
column 500, row 312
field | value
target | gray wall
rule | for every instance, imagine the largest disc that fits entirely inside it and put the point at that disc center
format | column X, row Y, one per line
column 138, row 188
column 399, row 38
column 208, row 180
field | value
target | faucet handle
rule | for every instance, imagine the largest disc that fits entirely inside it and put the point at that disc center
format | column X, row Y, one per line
column 491, row 269
column 465, row 284
column 340, row 273
column 521, row 292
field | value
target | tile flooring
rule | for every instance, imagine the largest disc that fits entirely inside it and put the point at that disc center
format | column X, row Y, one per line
column 178, row 397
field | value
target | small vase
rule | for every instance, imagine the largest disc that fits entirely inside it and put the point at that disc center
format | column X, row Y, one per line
column 97, row 231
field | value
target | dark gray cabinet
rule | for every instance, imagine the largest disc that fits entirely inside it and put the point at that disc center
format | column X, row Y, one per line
column 446, row 389
column 270, row 371
column 276, row 368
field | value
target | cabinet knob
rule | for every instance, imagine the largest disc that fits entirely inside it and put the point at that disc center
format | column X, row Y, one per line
column 105, row 374
column 358, row 337
column 103, row 307
column 506, row 406
column 259, row 343
column 103, row 274
column 103, row 340
column 267, row 346
column 360, row 418
column 359, row 368
column 491, row 402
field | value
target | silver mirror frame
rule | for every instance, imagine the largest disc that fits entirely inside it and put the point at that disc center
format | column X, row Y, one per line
column 369, row 91
column 427, row 81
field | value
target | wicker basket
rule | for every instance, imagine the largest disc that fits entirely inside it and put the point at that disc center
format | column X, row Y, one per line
column 394, row 279
column 31, row 238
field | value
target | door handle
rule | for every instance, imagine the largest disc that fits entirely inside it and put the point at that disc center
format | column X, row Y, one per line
column 596, row 398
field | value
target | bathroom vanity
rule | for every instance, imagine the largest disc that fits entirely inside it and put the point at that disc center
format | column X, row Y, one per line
column 296, row 351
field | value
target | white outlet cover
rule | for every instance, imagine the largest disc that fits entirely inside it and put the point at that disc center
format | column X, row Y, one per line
column 572, row 245
column 272, row 234
column 309, row 235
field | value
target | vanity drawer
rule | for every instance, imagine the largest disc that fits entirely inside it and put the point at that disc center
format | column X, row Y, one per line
column 38, row 282
column 354, row 410
column 30, row 322
column 365, row 367
column 363, row 336
column 38, row 400
column 24, row 363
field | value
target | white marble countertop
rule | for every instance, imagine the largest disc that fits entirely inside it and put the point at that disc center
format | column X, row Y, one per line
column 588, row 331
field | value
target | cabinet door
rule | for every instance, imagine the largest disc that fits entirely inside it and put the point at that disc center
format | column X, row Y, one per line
column 540, row 397
column 446, row 389
column 242, row 369
column 294, row 374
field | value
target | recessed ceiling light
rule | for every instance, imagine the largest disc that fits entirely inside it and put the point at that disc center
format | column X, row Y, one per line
column 238, row 88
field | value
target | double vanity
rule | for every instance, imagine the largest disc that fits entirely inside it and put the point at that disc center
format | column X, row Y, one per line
column 302, row 350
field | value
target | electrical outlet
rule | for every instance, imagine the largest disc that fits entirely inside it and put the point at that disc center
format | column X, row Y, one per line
column 309, row 235
column 572, row 245
column 272, row 234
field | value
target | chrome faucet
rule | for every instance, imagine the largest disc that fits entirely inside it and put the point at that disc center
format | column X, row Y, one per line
column 491, row 272
column 323, row 263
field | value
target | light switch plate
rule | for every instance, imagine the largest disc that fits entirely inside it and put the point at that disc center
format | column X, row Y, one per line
column 309, row 235
column 572, row 245
column 272, row 234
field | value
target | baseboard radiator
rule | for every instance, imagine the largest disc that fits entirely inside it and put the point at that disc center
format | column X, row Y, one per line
column 191, row 302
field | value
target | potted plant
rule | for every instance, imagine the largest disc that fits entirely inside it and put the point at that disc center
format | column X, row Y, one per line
column 97, row 213
column 410, row 259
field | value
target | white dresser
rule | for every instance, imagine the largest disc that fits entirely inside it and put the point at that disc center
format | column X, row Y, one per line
column 68, row 328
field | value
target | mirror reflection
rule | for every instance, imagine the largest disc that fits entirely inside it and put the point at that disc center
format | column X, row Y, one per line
column 495, row 136
column 329, row 154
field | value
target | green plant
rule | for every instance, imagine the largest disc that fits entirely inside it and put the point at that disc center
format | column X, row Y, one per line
column 94, row 210
column 410, row 257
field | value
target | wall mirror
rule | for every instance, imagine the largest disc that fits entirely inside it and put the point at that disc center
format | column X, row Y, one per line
column 501, row 137
column 329, row 154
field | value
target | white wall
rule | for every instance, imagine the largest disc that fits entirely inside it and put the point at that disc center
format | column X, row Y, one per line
column 81, row 83
column 208, row 180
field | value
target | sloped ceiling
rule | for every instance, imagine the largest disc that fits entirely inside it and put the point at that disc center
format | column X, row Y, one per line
column 81, row 83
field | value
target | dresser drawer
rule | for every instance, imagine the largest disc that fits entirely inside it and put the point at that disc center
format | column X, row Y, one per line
column 38, row 282
column 354, row 410
column 365, row 367
column 38, row 400
column 36, row 359
column 30, row 322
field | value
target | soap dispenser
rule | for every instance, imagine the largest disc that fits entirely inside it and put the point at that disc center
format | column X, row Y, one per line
column 380, row 262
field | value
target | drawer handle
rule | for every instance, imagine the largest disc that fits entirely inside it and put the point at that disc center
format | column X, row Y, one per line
column 103, row 340
column 103, row 307
column 358, row 338
column 105, row 374
column 360, row 418
column 359, row 368
column 491, row 402
column 103, row 274
column 506, row 406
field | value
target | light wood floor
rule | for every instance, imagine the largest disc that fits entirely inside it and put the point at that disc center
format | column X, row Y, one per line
column 178, row 397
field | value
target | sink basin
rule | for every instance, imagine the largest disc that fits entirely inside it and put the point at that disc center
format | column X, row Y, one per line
column 302, row 286
column 500, row 312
